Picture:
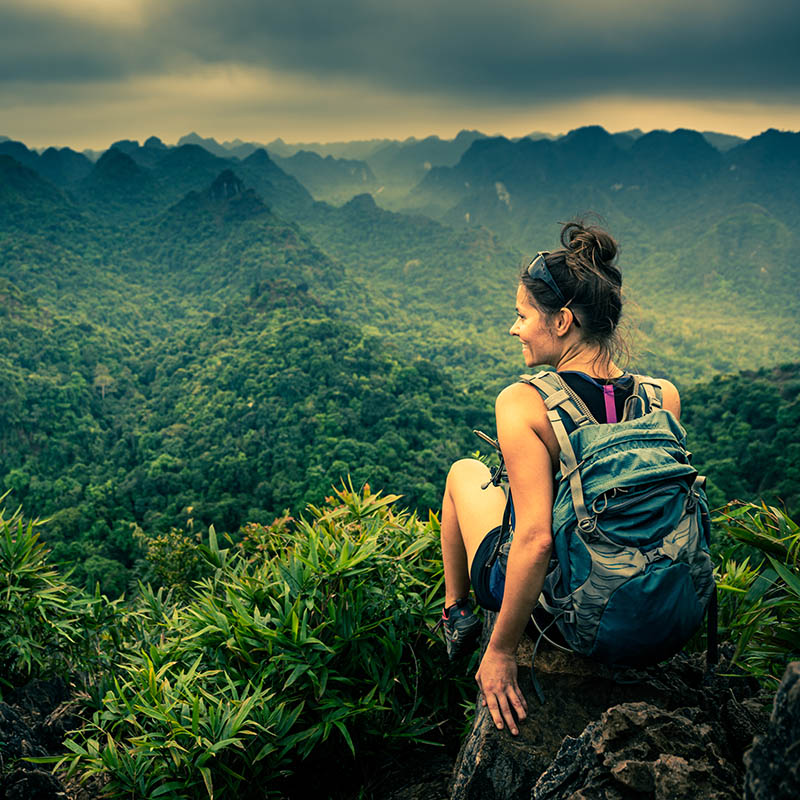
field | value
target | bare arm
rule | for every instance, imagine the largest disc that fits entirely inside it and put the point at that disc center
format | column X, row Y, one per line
column 531, row 479
column 670, row 398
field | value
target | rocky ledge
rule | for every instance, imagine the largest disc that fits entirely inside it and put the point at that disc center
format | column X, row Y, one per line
column 674, row 731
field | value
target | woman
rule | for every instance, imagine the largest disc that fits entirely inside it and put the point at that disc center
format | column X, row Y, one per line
column 568, row 307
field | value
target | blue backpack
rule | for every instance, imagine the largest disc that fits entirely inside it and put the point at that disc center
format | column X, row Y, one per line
column 631, row 576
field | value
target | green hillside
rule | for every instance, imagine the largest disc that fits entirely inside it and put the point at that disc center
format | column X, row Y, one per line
column 744, row 430
column 198, row 363
column 205, row 363
column 226, row 353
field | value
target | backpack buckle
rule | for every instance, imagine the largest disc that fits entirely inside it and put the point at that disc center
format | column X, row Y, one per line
column 693, row 497
column 587, row 524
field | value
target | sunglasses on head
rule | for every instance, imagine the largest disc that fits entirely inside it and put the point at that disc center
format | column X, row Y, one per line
column 538, row 270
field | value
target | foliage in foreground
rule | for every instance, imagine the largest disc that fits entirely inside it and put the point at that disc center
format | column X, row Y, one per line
column 760, row 587
column 47, row 625
column 307, row 641
column 310, row 636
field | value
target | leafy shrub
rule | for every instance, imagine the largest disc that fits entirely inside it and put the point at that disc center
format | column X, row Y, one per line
column 310, row 636
column 47, row 625
column 760, row 587
column 174, row 558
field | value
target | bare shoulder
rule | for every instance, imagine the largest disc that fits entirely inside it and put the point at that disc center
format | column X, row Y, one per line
column 519, row 399
column 670, row 398
column 516, row 396
column 520, row 412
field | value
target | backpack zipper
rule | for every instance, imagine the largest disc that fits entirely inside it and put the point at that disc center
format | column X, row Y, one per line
column 610, row 505
column 657, row 438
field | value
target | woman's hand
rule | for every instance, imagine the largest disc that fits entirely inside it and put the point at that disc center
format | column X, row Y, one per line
column 497, row 679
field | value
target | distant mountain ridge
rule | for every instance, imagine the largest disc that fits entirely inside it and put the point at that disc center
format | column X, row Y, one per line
column 676, row 186
column 343, row 169
column 412, row 159
column 152, row 173
column 378, row 150
column 702, row 232
column 331, row 171
column 328, row 178
column 209, row 144
column 61, row 166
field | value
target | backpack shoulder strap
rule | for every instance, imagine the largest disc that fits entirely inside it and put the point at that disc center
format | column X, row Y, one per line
column 555, row 396
column 645, row 397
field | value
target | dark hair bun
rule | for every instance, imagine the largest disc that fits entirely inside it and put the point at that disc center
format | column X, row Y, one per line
column 589, row 282
column 592, row 245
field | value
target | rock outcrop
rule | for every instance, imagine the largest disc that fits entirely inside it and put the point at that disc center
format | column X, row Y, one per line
column 650, row 733
column 33, row 724
column 640, row 750
column 773, row 763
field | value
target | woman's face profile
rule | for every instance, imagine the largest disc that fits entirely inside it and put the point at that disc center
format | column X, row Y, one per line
column 532, row 330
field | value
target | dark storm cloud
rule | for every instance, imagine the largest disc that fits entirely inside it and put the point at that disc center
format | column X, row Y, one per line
column 38, row 44
column 525, row 50
column 511, row 50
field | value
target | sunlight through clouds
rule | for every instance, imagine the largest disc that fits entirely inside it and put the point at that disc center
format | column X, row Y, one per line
column 308, row 69
column 122, row 13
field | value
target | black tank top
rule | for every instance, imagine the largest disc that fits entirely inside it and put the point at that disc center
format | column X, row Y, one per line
column 597, row 393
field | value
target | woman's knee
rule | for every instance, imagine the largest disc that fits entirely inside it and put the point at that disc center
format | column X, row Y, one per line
column 469, row 471
column 477, row 509
column 467, row 486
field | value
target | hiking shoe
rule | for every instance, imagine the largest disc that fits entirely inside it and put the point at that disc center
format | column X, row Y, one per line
column 462, row 628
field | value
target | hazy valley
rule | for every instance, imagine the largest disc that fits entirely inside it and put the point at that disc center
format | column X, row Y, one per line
column 203, row 347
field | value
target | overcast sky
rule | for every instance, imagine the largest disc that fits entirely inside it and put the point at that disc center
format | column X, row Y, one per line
column 85, row 73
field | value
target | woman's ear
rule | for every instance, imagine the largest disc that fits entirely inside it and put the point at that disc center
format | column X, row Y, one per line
column 563, row 321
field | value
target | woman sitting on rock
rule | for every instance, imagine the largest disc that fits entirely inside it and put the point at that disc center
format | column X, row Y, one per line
column 568, row 306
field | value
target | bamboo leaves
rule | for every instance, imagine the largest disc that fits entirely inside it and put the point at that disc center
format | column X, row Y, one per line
column 313, row 634
column 761, row 604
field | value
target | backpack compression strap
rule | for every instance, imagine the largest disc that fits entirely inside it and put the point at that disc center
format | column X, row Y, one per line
column 647, row 392
column 555, row 396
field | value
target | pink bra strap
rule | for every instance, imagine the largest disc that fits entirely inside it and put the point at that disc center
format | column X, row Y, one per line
column 611, row 408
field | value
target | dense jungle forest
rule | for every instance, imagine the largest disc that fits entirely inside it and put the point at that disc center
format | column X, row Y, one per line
column 239, row 375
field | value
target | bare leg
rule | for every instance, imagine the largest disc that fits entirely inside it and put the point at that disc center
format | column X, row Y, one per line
column 468, row 514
